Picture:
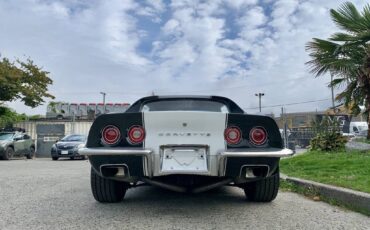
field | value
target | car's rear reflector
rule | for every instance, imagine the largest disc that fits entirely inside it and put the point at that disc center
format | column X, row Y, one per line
column 111, row 135
column 233, row 135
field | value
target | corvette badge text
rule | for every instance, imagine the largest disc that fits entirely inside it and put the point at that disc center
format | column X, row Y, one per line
column 184, row 134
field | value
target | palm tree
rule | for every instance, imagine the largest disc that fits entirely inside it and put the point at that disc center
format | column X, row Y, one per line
column 346, row 56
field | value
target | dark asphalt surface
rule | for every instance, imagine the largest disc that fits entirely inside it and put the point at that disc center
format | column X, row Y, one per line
column 45, row 194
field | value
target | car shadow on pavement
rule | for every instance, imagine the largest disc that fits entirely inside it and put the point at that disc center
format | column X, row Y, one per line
column 157, row 201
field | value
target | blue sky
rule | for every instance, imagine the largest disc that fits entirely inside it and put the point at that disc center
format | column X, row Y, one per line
column 130, row 49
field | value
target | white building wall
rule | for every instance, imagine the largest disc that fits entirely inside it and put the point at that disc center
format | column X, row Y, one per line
column 77, row 127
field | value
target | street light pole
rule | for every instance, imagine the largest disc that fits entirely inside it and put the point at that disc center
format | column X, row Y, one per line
column 259, row 95
column 103, row 93
column 332, row 92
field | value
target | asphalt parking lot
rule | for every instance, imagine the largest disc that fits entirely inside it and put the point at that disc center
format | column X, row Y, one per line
column 45, row 194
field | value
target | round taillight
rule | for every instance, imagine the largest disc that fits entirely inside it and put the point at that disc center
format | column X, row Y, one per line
column 233, row 135
column 136, row 135
column 258, row 136
column 111, row 135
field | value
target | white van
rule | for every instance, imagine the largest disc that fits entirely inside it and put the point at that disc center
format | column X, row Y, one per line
column 358, row 128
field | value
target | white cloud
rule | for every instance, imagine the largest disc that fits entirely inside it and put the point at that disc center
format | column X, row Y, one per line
column 129, row 48
column 238, row 4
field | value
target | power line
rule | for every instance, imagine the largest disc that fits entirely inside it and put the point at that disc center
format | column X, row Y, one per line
column 288, row 104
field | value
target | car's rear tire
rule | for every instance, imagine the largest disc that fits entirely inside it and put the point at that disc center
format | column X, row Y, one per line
column 9, row 152
column 32, row 153
column 54, row 158
column 264, row 190
column 105, row 190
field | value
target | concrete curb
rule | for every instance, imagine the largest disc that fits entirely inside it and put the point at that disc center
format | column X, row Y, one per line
column 347, row 197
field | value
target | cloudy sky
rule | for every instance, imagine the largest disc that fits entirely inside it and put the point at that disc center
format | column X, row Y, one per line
column 129, row 49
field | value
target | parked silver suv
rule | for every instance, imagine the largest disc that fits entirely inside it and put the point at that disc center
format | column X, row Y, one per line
column 16, row 143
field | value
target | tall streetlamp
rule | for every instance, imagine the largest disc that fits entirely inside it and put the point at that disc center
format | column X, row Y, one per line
column 103, row 93
column 259, row 95
column 332, row 92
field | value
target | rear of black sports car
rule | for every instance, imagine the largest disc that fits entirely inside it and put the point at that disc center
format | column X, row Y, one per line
column 185, row 144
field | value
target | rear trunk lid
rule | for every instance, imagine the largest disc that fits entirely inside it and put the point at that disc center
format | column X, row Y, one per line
column 185, row 128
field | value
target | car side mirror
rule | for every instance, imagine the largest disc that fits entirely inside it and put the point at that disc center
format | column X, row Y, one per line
column 17, row 138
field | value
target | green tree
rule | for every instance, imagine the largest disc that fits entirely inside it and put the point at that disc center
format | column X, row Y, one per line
column 8, row 117
column 23, row 81
column 346, row 55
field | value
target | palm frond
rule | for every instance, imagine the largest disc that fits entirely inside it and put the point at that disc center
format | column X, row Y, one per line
column 366, row 14
column 322, row 46
column 343, row 37
column 337, row 82
column 364, row 37
column 346, row 95
column 328, row 56
column 348, row 18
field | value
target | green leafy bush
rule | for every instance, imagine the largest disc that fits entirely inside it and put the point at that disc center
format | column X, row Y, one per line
column 328, row 142
column 328, row 136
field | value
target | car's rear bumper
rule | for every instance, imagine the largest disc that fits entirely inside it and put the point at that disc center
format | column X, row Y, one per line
column 103, row 151
column 144, row 162
column 255, row 152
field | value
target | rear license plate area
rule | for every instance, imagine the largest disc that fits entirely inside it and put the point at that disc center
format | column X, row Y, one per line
column 184, row 160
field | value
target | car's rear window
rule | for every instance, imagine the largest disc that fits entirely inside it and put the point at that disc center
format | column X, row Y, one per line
column 184, row 105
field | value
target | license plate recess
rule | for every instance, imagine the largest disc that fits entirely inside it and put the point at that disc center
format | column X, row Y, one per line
column 184, row 160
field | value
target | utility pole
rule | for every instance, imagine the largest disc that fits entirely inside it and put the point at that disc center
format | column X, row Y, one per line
column 285, row 128
column 332, row 92
column 103, row 93
column 259, row 95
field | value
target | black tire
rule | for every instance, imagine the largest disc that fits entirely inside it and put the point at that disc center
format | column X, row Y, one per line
column 32, row 153
column 72, row 158
column 105, row 190
column 54, row 158
column 9, row 152
column 264, row 190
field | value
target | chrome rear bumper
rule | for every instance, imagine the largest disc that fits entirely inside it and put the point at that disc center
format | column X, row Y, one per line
column 101, row 151
column 254, row 152
column 217, row 163
column 250, row 153
column 104, row 151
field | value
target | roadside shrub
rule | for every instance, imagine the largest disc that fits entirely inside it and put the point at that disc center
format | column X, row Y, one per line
column 328, row 142
column 327, row 135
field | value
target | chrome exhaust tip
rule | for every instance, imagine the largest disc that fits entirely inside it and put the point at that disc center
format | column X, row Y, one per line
column 255, row 171
column 114, row 170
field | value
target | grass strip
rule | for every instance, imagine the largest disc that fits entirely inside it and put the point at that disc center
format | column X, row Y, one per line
column 345, row 169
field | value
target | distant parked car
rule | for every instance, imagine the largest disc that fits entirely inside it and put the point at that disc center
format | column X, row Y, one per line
column 16, row 143
column 67, row 147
